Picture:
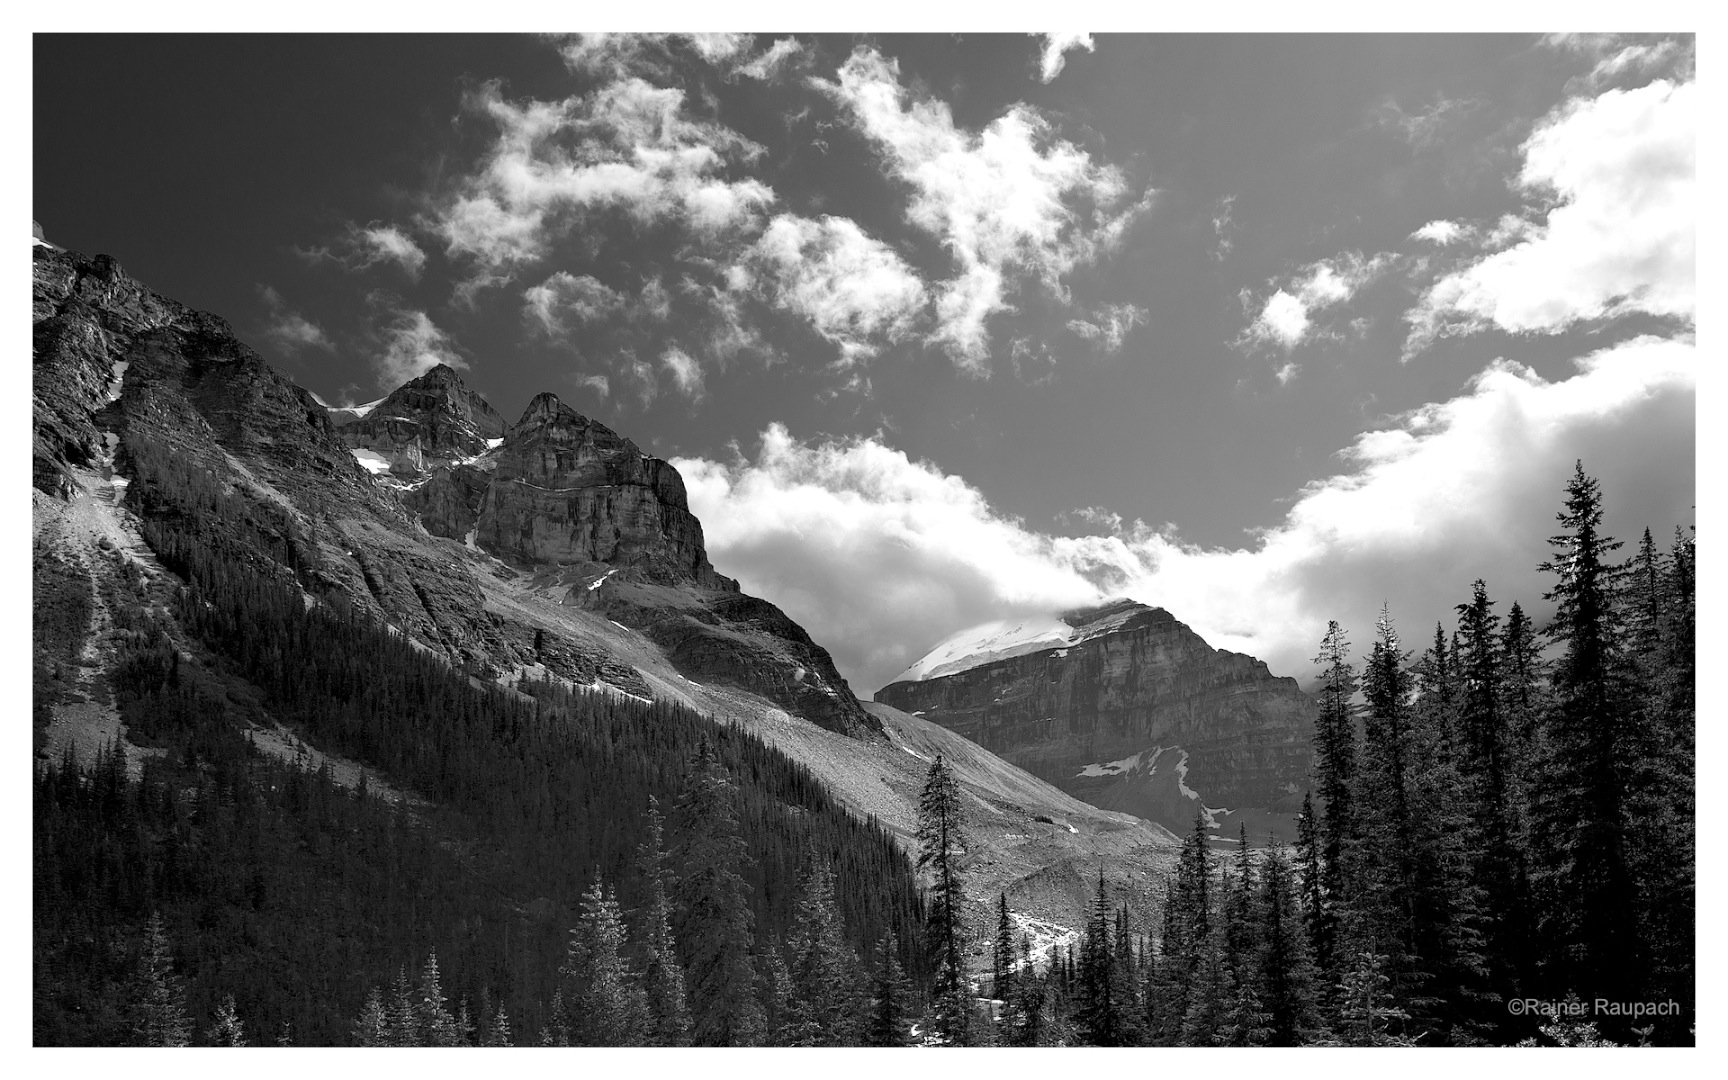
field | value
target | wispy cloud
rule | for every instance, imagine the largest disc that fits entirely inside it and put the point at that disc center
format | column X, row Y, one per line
column 1054, row 55
column 1286, row 316
column 775, row 61
column 410, row 344
column 1011, row 202
column 362, row 247
column 288, row 329
column 685, row 371
column 1108, row 327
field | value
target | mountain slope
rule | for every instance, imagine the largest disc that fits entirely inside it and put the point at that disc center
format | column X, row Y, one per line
column 1128, row 709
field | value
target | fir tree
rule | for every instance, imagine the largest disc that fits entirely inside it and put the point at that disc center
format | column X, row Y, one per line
column 1097, row 1018
column 1335, row 769
column 155, row 995
column 824, row 970
column 1368, row 1016
column 558, row 1030
column 1580, row 817
column 891, row 998
column 1002, row 954
column 941, row 840
column 497, row 1030
column 372, row 1026
column 433, row 1024
column 226, row 1030
column 401, row 1025
column 611, row 1009
column 662, row 977
column 1285, row 969
column 714, row 924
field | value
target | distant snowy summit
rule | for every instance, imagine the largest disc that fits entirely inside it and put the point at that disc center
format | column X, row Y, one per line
column 1004, row 639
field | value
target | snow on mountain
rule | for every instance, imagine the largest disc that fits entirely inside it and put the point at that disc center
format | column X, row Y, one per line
column 997, row 640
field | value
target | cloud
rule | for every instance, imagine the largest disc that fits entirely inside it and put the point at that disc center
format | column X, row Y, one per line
column 564, row 296
column 1110, row 329
column 686, row 373
column 1427, row 127
column 1618, row 57
column 1054, row 55
column 628, row 147
column 1012, row 201
column 851, row 288
column 773, row 61
column 1224, row 228
column 1442, row 233
column 363, row 247
column 880, row 557
column 600, row 384
column 1286, row 318
column 1611, row 181
column 411, row 344
column 290, row 330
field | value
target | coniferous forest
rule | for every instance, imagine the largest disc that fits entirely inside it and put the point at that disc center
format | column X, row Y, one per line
column 1501, row 823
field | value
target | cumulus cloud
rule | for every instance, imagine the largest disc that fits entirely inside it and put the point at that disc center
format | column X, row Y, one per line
column 880, row 557
column 1054, row 56
column 1012, row 201
column 552, row 304
column 1286, row 318
column 363, row 247
column 1616, row 176
column 629, row 147
column 851, row 288
column 410, row 345
column 1442, row 233
column 288, row 329
column 1109, row 325
column 686, row 373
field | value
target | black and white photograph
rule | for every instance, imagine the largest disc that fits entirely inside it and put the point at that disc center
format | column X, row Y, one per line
column 1158, row 538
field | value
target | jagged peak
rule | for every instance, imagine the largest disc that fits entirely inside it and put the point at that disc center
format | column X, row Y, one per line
column 547, row 409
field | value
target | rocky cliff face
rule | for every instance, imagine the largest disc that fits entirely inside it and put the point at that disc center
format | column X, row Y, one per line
column 430, row 421
column 1128, row 709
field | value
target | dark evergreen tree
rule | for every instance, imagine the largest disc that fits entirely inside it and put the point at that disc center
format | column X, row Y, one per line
column 662, row 976
column 1097, row 1017
column 372, row 1026
column 226, row 1029
column 714, row 920
column 1002, row 953
column 826, row 997
column 1286, row 979
column 155, row 994
column 1335, row 772
column 497, row 1030
column 401, row 1024
column 941, row 841
column 433, row 1023
column 891, row 1007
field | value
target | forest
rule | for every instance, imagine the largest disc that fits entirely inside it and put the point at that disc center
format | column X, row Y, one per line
column 1499, row 840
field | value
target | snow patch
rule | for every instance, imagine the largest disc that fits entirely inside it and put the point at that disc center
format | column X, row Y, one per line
column 997, row 640
column 370, row 460
column 601, row 580
column 493, row 444
column 468, row 541
column 117, row 379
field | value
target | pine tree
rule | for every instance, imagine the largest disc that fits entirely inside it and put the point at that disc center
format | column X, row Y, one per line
column 558, row 1030
column 891, row 999
column 1335, row 769
column 1585, row 885
column 1002, row 955
column 1308, row 869
column 226, row 1030
column 497, row 1031
column 941, row 840
column 1369, row 1017
column 155, row 995
column 433, row 1023
column 713, row 923
column 611, row 1009
column 372, row 1026
column 401, row 1025
column 662, row 977
column 1097, row 1016
column 1286, row 978
column 824, row 970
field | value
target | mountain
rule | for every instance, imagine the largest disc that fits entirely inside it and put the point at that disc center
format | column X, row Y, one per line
column 1128, row 709
column 546, row 552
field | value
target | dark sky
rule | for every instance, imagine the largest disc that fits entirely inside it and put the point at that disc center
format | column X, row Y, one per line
column 861, row 286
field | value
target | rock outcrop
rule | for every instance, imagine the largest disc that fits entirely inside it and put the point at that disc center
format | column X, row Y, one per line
column 429, row 421
column 1131, row 710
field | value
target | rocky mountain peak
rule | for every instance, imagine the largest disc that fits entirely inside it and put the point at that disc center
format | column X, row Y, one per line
column 430, row 421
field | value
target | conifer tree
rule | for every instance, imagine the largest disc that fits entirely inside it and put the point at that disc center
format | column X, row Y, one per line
column 1580, row 821
column 401, row 1026
column 891, row 999
column 1369, row 1016
column 611, row 1009
column 156, row 998
column 1286, row 978
column 1308, row 869
column 941, row 840
column 226, row 1030
column 497, row 1030
column 372, row 1026
column 663, row 976
column 1335, row 769
column 714, row 923
column 824, row 970
column 1002, row 954
column 433, row 1023
column 558, row 1029
column 1097, row 1015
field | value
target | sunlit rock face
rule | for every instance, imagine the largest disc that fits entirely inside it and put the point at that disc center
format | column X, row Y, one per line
column 1127, row 708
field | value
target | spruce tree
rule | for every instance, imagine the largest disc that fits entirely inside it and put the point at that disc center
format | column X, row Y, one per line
column 1286, row 978
column 433, row 1023
column 611, row 1009
column 1002, row 954
column 155, row 995
column 1583, row 879
column 372, row 1026
column 401, row 1027
column 714, row 925
column 941, row 841
column 226, row 1029
column 891, row 998
column 662, row 976
column 1097, row 1016
column 497, row 1030
column 824, row 970
column 1335, row 772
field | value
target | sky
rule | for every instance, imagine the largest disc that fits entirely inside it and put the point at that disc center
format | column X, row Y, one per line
column 1266, row 330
